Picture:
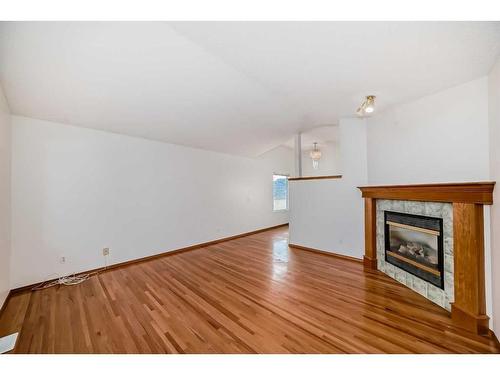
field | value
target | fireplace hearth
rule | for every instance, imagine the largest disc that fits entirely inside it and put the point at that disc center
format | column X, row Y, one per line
column 414, row 243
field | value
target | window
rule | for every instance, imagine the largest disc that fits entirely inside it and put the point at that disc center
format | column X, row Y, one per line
column 280, row 192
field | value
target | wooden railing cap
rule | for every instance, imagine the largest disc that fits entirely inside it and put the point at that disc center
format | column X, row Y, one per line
column 313, row 178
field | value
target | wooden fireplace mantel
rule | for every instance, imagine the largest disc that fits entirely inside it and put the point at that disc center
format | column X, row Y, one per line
column 469, row 308
column 465, row 192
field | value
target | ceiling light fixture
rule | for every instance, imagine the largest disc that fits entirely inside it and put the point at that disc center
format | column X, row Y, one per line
column 367, row 107
column 315, row 155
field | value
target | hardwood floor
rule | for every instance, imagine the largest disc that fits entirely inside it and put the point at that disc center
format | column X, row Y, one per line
column 248, row 295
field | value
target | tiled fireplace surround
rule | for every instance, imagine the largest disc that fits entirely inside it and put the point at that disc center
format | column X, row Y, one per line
column 432, row 209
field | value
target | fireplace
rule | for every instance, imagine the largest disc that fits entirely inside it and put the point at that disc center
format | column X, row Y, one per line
column 414, row 243
column 461, row 206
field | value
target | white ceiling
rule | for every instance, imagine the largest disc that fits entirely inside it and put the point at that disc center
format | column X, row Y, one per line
column 322, row 135
column 235, row 87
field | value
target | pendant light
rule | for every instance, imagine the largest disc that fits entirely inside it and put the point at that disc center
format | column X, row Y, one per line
column 315, row 155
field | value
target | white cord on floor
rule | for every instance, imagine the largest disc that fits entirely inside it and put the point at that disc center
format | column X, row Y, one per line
column 70, row 279
column 65, row 280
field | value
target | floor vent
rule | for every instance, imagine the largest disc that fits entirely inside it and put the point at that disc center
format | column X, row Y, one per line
column 7, row 343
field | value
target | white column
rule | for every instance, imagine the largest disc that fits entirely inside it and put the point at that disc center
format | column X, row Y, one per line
column 298, row 155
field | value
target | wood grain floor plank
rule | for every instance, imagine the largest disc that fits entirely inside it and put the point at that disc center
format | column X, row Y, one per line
column 249, row 295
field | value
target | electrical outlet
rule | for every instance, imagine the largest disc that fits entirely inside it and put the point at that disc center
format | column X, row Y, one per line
column 105, row 251
column 62, row 259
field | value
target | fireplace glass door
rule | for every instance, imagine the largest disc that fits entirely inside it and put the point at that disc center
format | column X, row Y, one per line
column 414, row 243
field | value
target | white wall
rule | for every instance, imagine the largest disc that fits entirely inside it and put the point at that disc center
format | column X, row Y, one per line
column 438, row 138
column 328, row 214
column 5, row 146
column 76, row 190
column 494, row 122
